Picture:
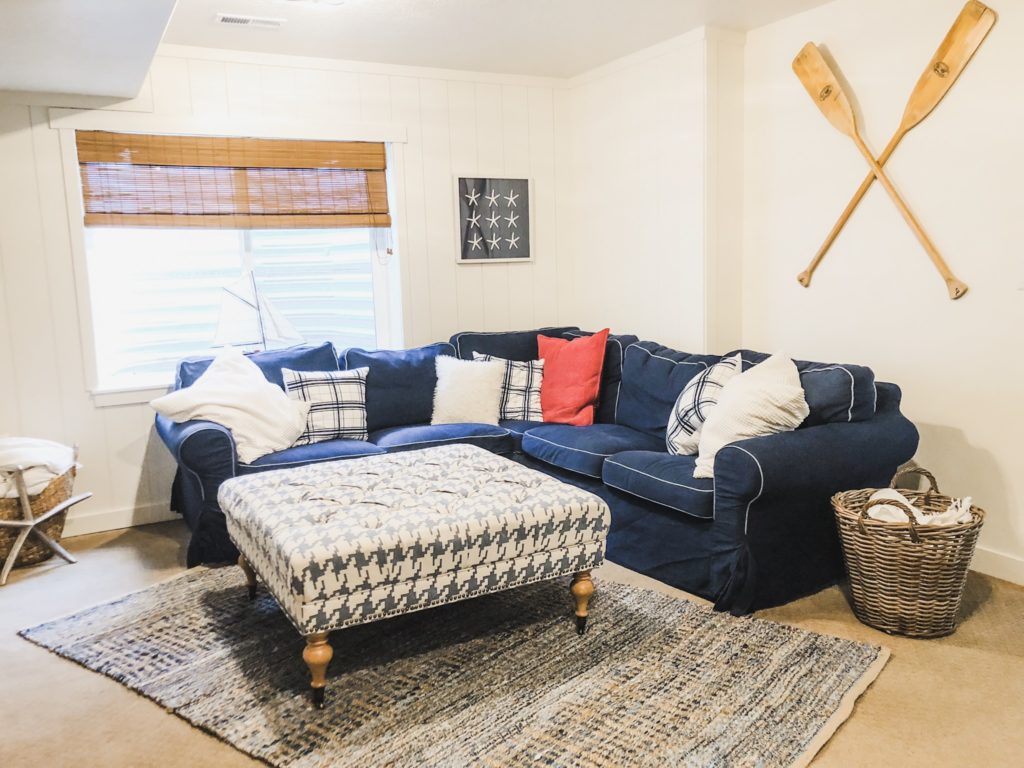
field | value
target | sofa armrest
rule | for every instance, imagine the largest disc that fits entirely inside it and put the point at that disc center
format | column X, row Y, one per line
column 772, row 498
column 820, row 460
column 206, row 456
column 203, row 448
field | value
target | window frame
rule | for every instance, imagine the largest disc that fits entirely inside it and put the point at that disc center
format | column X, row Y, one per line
column 389, row 284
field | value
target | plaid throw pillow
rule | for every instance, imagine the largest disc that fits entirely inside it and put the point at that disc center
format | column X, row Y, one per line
column 695, row 402
column 337, row 403
column 520, row 389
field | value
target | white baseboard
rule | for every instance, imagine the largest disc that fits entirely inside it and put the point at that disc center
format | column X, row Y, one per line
column 999, row 564
column 113, row 519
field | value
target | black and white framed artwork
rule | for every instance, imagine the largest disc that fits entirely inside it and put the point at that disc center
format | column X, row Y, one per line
column 494, row 220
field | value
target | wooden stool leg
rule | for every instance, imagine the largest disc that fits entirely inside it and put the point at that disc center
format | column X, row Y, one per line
column 317, row 654
column 250, row 575
column 582, row 588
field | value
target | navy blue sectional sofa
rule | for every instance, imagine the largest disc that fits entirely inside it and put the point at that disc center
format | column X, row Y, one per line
column 760, row 533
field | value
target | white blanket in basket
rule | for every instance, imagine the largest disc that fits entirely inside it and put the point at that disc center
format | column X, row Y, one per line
column 42, row 460
column 958, row 513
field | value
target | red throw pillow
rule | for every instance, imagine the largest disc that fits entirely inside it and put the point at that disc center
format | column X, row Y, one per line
column 572, row 377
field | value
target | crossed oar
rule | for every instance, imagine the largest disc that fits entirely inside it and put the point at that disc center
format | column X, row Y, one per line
column 960, row 43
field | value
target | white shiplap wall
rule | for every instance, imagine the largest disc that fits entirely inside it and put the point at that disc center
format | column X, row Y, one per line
column 650, row 145
column 875, row 299
column 456, row 122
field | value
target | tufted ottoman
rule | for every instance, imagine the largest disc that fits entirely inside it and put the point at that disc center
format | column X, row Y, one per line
column 348, row 542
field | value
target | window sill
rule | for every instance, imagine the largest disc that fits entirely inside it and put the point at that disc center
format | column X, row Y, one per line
column 114, row 396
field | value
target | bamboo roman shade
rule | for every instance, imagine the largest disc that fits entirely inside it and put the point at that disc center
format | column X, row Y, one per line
column 136, row 180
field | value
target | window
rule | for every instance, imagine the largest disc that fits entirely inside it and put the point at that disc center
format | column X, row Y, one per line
column 150, row 312
column 170, row 225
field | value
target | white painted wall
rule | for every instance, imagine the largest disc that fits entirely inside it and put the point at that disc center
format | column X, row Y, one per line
column 649, row 206
column 877, row 299
column 631, row 194
column 456, row 122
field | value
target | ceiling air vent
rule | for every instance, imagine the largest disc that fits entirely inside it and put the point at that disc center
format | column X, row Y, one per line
column 238, row 20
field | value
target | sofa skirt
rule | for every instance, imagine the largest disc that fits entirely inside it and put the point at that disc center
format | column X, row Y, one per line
column 710, row 559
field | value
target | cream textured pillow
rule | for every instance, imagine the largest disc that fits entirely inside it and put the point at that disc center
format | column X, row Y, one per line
column 763, row 400
column 233, row 392
column 468, row 391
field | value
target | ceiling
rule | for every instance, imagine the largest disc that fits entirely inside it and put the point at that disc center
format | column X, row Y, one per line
column 96, row 47
column 558, row 38
column 105, row 47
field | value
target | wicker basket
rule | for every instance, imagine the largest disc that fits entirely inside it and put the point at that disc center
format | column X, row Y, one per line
column 35, row 550
column 905, row 578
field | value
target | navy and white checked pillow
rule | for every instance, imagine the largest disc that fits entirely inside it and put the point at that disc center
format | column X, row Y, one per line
column 337, row 403
column 520, row 389
column 695, row 402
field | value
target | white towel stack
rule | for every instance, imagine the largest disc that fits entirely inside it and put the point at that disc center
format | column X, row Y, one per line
column 43, row 460
column 959, row 510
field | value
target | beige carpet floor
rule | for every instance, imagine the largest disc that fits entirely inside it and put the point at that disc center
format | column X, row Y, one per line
column 952, row 702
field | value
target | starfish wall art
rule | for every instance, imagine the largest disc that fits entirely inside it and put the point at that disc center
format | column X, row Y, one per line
column 494, row 220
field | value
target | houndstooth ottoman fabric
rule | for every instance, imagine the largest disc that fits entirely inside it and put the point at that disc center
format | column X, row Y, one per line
column 347, row 542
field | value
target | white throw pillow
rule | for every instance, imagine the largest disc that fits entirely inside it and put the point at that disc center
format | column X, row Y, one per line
column 694, row 404
column 233, row 392
column 468, row 391
column 763, row 400
column 337, row 403
column 520, row 389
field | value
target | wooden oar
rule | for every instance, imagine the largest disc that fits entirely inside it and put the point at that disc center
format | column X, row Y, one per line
column 957, row 48
column 824, row 89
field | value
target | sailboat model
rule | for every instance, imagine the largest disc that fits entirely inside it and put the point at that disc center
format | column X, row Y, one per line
column 247, row 318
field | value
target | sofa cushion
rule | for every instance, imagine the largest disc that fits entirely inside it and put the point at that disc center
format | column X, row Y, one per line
column 662, row 478
column 400, row 383
column 467, row 391
column 520, row 389
column 517, row 428
column 493, row 438
column 611, row 376
column 695, row 403
column 303, row 358
column 652, row 378
column 337, row 403
column 834, row 392
column 767, row 399
column 296, row 456
column 572, row 377
column 511, row 345
column 584, row 449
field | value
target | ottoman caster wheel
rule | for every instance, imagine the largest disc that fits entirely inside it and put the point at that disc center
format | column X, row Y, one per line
column 581, row 625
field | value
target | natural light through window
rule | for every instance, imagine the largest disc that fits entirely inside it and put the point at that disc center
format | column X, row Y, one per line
column 157, row 294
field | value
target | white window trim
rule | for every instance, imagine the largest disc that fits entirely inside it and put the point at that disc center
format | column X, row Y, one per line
column 67, row 121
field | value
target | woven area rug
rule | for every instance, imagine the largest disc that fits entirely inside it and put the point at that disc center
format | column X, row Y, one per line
column 498, row 680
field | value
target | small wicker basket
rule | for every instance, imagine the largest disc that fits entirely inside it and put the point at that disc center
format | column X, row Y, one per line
column 35, row 550
column 905, row 578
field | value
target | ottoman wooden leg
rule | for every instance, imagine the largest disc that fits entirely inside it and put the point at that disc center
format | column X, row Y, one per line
column 582, row 588
column 317, row 654
column 250, row 575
